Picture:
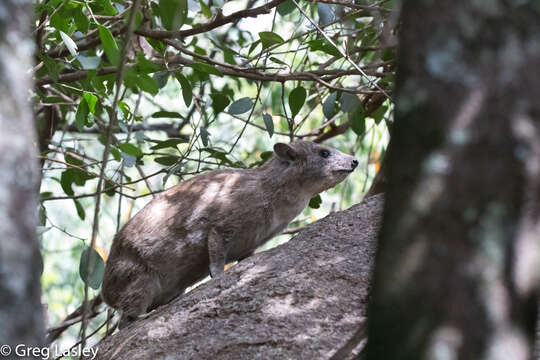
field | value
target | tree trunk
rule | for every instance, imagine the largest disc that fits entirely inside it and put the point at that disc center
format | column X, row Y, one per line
column 21, row 315
column 305, row 299
column 458, row 264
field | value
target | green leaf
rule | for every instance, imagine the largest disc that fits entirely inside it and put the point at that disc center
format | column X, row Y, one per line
column 126, row 111
column 71, row 176
column 269, row 38
column 187, row 90
column 147, row 83
column 91, row 100
column 172, row 142
column 60, row 22
column 297, row 97
column 358, row 120
column 167, row 114
column 144, row 65
column 286, row 7
column 266, row 155
column 173, row 13
column 330, row 107
column 253, row 46
column 116, row 154
column 325, row 46
column 66, row 180
column 219, row 102
column 81, row 117
column 73, row 160
column 220, row 155
column 349, row 102
column 240, row 106
column 206, row 68
column 161, row 78
column 156, row 45
column 70, row 44
column 53, row 99
column 107, row 7
column 378, row 114
column 91, row 267
column 205, row 9
column 269, row 123
column 277, row 61
column 51, row 66
column 110, row 187
column 315, row 202
column 80, row 209
column 45, row 194
column 167, row 160
column 204, row 135
column 109, row 45
column 131, row 149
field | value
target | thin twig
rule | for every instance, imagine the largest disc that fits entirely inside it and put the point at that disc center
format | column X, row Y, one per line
column 112, row 124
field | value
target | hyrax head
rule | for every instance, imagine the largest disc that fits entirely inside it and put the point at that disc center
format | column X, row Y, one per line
column 317, row 166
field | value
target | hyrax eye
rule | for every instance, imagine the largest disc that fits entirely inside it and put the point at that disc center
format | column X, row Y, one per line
column 324, row 153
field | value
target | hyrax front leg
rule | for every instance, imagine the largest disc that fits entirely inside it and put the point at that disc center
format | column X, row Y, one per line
column 216, row 253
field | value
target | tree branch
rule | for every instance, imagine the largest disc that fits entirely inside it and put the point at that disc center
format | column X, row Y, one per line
column 302, row 300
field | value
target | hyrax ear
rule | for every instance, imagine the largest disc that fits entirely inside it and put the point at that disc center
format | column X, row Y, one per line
column 284, row 151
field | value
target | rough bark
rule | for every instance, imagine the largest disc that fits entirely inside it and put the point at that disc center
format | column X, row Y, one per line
column 302, row 300
column 458, row 266
column 21, row 316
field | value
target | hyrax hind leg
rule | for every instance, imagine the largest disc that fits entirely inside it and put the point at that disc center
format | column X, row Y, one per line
column 137, row 297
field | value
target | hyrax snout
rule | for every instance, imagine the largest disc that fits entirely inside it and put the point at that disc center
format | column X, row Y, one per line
column 199, row 225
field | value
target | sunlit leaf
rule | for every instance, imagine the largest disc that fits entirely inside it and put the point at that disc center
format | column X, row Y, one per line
column 131, row 149
column 91, row 100
column 205, row 9
column 70, row 44
column 109, row 45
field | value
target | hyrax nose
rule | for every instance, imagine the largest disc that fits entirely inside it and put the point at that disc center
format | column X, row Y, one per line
column 354, row 163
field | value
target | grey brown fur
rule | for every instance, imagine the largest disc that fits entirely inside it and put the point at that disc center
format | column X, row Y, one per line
column 198, row 226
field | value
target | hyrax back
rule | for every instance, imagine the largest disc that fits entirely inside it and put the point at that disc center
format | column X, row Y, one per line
column 198, row 226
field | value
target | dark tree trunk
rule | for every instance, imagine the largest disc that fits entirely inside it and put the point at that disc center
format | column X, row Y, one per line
column 21, row 316
column 458, row 264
